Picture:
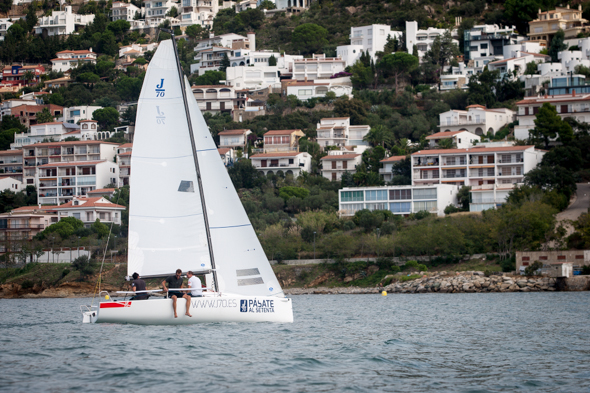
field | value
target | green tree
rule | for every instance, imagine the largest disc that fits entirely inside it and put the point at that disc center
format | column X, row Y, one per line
column 549, row 125
column 446, row 143
column 84, row 265
column 107, row 118
column 464, row 197
column 65, row 228
column 193, row 31
column 272, row 60
column 531, row 68
column 557, row 45
column 208, row 78
column 100, row 229
column 44, row 116
column 120, row 27
column 309, row 38
column 442, row 51
column 173, row 12
column 398, row 65
column 5, row 5
column 224, row 63
column 88, row 77
column 521, row 12
column 267, row 5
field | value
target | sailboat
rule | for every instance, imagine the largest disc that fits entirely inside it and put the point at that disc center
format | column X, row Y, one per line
column 186, row 214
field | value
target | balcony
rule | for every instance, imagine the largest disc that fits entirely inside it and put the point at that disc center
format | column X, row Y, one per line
column 24, row 226
column 511, row 161
column 426, row 162
column 454, row 175
column 461, row 122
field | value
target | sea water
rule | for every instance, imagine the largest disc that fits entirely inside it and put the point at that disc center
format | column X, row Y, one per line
column 493, row 342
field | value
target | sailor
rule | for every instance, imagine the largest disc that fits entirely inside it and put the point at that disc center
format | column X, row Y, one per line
column 138, row 285
column 177, row 283
column 195, row 284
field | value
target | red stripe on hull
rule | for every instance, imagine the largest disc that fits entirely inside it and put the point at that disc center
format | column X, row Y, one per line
column 115, row 305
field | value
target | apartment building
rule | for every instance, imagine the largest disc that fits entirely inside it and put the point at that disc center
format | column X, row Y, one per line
column 281, row 141
column 234, row 139
column 62, row 22
column 460, row 139
column 488, row 40
column 254, row 77
column 400, row 200
column 215, row 98
column 477, row 119
column 124, row 161
column 156, row 10
column 17, row 75
column 517, row 65
column 210, row 59
column 11, row 164
column 22, row 224
column 387, row 171
column 337, row 162
column 370, row 39
column 88, row 210
column 474, row 166
column 57, row 83
column 423, row 39
column 7, row 105
column 548, row 23
column 318, row 67
column 124, row 11
column 567, row 105
column 74, row 114
column 337, row 131
column 68, row 59
column 45, row 132
column 198, row 12
column 289, row 163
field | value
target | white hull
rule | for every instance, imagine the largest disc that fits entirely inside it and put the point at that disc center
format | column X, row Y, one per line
column 210, row 308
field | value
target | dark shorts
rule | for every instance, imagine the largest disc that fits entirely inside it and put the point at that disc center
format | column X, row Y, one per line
column 176, row 293
column 191, row 295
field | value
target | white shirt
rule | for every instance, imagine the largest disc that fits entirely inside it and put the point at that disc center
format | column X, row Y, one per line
column 195, row 284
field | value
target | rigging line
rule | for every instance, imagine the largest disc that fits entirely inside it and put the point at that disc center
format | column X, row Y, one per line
column 98, row 281
column 196, row 159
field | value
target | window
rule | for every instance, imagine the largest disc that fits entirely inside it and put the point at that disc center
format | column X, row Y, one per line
column 400, row 207
column 484, row 46
column 351, row 196
column 306, row 92
column 377, row 206
column 400, row 194
column 352, row 208
column 428, row 206
column 425, row 193
column 376, row 195
column 76, row 215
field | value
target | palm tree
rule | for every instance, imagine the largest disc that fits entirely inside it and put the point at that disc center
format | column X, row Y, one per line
column 27, row 76
column 378, row 135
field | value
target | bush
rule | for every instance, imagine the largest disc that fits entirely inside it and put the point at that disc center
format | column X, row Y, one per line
column 508, row 265
column 451, row 209
column 532, row 269
column 27, row 284
column 349, row 225
column 65, row 272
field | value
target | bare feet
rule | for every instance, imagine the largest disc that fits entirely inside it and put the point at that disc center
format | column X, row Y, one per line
column 175, row 315
column 188, row 315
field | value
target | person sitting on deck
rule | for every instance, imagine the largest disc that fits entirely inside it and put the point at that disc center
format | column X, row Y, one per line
column 177, row 282
column 195, row 284
column 138, row 285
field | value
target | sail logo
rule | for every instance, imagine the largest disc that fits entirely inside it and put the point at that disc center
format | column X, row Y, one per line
column 160, row 118
column 160, row 91
column 257, row 306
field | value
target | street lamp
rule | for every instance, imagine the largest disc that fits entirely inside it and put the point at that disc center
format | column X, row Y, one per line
column 314, row 245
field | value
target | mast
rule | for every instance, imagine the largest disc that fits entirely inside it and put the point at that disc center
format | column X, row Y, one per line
column 194, row 148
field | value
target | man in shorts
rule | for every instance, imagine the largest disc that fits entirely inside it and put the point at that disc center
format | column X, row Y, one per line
column 195, row 284
column 176, row 282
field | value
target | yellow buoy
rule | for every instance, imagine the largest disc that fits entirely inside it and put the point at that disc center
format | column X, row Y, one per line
column 384, row 293
column 107, row 297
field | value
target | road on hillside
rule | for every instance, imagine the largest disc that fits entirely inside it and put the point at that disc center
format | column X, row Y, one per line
column 579, row 206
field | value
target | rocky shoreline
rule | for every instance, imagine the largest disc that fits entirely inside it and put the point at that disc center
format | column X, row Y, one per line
column 443, row 282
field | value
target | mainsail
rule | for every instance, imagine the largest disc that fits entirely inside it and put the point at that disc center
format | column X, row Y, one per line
column 166, row 223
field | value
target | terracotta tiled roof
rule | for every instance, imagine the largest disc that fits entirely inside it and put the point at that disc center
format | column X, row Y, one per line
column 72, row 132
column 10, row 152
column 88, row 121
column 275, row 155
column 393, row 159
column 126, row 146
column 127, row 153
column 339, row 157
column 223, row 151
column 280, row 132
column 72, row 163
column 103, row 190
column 23, row 209
column 554, row 98
column 89, row 202
column 472, row 150
column 444, row 134
column 232, row 132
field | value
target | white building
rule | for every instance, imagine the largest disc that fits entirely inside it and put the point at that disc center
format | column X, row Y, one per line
column 290, row 163
column 317, row 67
column 370, row 39
column 488, row 40
column 490, row 171
column 156, row 10
column 423, row 39
column 215, row 98
column 402, row 200
column 45, row 131
column 244, row 5
column 461, row 139
column 88, row 210
column 516, row 65
column 228, row 156
column 477, row 119
column 124, row 11
column 339, row 161
column 74, row 114
column 198, row 12
column 522, row 46
column 69, row 59
column 567, row 105
column 5, row 24
column 62, row 22
column 319, row 88
column 337, row 131
column 387, row 171
column 281, row 141
column 124, row 161
column 137, row 50
column 7, row 105
column 234, row 139
column 11, row 184
column 256, row 77
column 11, row 164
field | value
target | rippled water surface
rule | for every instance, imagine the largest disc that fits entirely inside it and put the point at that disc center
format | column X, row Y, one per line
column 537, row 342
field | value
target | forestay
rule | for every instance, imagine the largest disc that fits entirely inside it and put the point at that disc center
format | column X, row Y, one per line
column 166, row 224
column 241, row 264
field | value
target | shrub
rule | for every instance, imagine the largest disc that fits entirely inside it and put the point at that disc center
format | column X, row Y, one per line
column 532, row 269
column 508, row 265
column 65, row 272
column 349, row 225
column 27, row 284
column 451, row 209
